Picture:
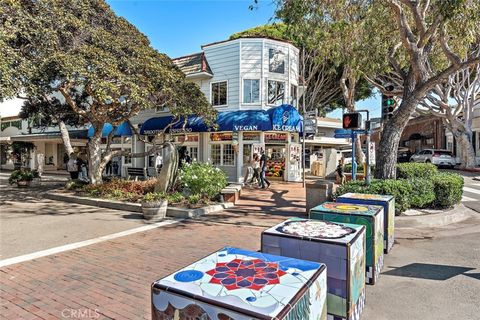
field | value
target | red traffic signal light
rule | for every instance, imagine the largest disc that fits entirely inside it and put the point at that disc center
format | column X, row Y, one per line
column 352, row 120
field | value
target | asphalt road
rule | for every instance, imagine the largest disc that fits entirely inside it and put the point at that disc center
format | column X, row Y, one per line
column 471, row 193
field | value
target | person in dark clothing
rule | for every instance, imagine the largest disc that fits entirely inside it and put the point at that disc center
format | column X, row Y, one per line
column 187, row 158
column 340, row 172
column 108, row 168
column 263, row 168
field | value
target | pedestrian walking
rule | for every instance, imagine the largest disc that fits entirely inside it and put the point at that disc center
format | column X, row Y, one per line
column 72, row 167
column 256, row 169
column 263, row 168
column 340, row 172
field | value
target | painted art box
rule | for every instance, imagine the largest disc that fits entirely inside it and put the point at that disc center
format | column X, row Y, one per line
column 340, row 246
column 388, row 204
column 368, row 215
column 239, row 284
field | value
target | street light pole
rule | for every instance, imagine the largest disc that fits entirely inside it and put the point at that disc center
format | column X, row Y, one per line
column 368, row 174
column 304, row 111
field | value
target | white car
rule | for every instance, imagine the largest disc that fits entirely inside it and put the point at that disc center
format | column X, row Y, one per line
column 437, row 157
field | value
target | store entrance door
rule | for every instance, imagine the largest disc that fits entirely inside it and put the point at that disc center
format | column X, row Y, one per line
column 276, row 155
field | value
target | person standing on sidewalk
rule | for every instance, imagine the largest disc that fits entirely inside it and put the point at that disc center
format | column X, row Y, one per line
column 263, row 168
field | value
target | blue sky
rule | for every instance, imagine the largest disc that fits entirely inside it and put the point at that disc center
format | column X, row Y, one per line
column 180, row 27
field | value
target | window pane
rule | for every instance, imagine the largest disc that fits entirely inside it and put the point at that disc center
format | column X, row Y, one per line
column 215, row 155
column 219, row 93
column 228, row 155
column 223, row 93
column 276, row 61
column 247, row 91
column 276, row 92
column 293, row 94
column 255, row 91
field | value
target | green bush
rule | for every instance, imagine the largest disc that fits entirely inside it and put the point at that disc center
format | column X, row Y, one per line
column 154, row 197
column 202, row 179
column 20, row 175
column 400, row 189
column 175, row 197
column 194, row 199
column 423, row 194
column 416, row 170
column 448, row 188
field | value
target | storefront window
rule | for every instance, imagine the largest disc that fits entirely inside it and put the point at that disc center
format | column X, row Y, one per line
column 185, row 138
column 221, row 136
column 128, row 159
column 276, row 161
column 216, row 154
column 228, row 155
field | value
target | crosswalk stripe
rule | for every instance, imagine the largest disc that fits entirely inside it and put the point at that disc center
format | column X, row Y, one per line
column 472, row 190
column 465, row 199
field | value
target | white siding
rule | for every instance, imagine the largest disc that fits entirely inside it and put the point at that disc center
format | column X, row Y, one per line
column 224, row 60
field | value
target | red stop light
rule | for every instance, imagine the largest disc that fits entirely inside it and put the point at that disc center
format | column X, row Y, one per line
column 352, row 120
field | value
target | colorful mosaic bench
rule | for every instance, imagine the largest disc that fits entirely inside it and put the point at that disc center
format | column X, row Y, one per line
column 369, row 216
column 239, row 284
column 340, row 246
column 388, row 204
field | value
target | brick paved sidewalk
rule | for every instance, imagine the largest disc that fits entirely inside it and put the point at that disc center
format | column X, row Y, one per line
column 112, row 279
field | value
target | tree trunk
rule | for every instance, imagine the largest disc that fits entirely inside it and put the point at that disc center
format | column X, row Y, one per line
column 168, row 175
column 390, row 139
column 65, row 138
column 468, row 153
column 95, row 157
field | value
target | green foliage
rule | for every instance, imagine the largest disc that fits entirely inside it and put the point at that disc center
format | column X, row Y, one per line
column 21, row 175
column 202, row 179
column 75, row 185
column 423, row 194
column 277, row 31
column 448, row 188
column 175, row 197
column 194, row 199
column 154, row 197
column 416, row 170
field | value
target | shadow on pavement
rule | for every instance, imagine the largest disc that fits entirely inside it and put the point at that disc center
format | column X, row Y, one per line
column 429, row 271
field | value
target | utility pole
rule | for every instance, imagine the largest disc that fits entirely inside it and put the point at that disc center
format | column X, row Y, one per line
column 304, row 111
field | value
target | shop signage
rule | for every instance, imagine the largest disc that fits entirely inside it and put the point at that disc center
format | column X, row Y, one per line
column 310, row 126
column 245, row 128
column 278, row 127
column 271, row 137
column 251, row 136
column 180, row 130
column 186, row 138
column 221, row 136
column 235, row 138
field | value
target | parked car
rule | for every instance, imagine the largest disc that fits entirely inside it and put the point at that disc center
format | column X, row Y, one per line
column 437, row 157
column 403, row 155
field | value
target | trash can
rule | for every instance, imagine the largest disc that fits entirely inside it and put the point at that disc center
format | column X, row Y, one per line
column 318, row 192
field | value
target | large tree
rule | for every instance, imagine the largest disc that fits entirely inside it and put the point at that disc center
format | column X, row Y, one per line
column 433, row 40
column 334, row 33
column 453, row 102
column 82, row 46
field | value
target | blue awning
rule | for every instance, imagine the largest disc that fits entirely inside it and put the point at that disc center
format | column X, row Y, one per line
column 285, row 118
column 121, row 130
column 245, row 120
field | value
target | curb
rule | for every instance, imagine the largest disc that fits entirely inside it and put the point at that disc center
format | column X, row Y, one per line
column 457, row 214
column 136, row 207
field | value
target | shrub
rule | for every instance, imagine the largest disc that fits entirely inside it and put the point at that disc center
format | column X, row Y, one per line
column 423, row 194
column 194, row 199
column 416, row 170
column 202, row 179
column 121, row 189
column 154, row 197
column 448, row 188
column 20, row 175
column 176, row 197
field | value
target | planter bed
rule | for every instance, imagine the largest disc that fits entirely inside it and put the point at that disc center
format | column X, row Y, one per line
column 176, row 212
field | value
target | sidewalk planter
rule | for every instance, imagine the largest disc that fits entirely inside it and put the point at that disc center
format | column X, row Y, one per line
column 388, row 204
column 340, row 246
column 23, row 183
column 243, row 285
column 369, row 216
column 154, row 210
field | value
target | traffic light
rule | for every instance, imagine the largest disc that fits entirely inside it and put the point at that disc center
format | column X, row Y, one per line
column 352, row 120
column 388, row 106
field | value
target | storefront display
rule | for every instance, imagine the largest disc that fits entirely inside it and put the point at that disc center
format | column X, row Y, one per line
column 340, row 246
column 369, row 216
column 243, row 285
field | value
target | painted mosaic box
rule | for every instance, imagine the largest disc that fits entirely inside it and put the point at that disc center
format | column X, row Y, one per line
column 368, row 215
column 388, row 204
column 238, row 284
column 340, row 246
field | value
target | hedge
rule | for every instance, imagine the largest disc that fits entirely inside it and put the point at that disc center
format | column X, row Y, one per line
column 423, row 194
column 448, row 188
column 416, row 170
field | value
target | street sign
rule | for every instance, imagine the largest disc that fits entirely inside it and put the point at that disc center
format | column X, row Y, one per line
column 310, row 126
column 371, row 153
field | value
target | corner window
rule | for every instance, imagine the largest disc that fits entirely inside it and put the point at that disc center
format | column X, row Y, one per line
column 276, row 59
column 219, row 93
column 251, row 90
column 276, row 92
column 293, row 95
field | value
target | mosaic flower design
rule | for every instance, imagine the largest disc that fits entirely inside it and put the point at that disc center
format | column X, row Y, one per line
column 315, row 229
column 246, row 274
